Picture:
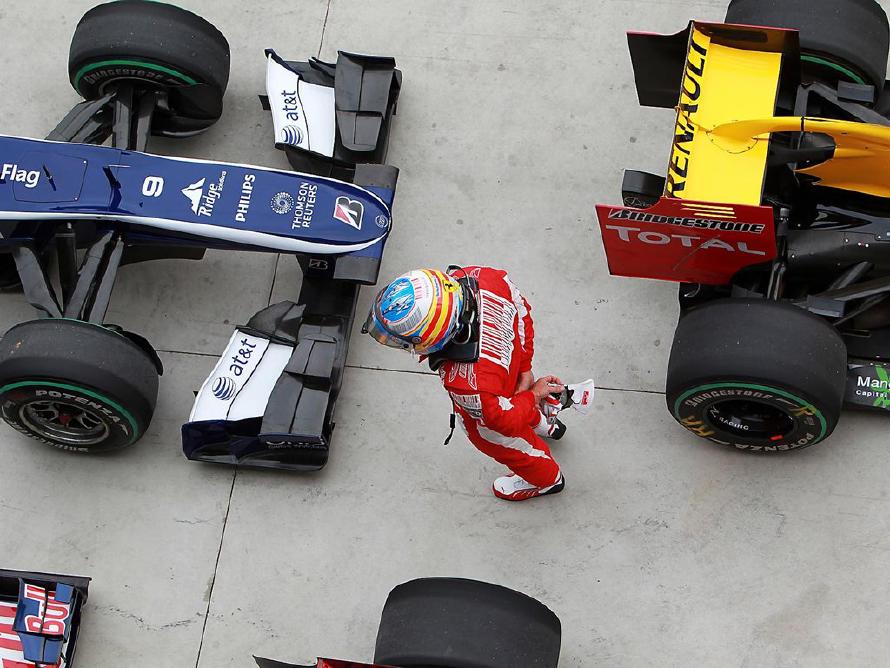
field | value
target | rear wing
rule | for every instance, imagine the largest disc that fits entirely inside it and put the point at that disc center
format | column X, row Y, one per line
column 691, row 242
column 728, row 73
column 709, row 222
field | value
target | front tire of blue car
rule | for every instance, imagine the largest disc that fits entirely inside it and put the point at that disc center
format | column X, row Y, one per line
column 158, row 47
column 76, row 386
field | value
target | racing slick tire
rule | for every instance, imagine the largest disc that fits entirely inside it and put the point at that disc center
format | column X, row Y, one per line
column 160, row 46
column 457, row 623
column 75, row 385
column 757, row 375
column 846, row 38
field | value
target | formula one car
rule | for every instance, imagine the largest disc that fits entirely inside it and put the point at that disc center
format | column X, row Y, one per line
column 457, row 623
column 774, row 217
column 148, row 68
column 40, row 618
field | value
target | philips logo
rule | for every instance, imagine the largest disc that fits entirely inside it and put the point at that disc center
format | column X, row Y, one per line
column 292, row 135
column 194, row 193
column 13, row 173
column 224, row 388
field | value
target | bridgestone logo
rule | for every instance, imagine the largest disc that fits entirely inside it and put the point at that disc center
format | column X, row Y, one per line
column 697, row 223
column 716, row 394
column 125, row 72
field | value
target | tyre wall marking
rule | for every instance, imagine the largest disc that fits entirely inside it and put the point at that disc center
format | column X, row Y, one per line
column 75, row 388
column 835, row 66
column 806, row 407
column 86, row 69
column 697, row 427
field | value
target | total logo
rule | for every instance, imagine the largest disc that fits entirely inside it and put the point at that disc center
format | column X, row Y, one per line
column 13, row 173
column 204, row 199
column 635, row 234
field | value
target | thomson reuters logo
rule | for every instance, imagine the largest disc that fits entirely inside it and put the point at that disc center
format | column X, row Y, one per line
column 292, row 135
column 224, row 388
column 282, row 203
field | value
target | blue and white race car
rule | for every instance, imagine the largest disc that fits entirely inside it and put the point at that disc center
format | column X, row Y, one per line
column 146, row 68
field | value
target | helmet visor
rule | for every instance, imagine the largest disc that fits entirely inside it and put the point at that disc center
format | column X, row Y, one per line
column 373, row 327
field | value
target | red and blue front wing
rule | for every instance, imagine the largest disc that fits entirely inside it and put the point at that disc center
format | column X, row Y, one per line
column 39, row 619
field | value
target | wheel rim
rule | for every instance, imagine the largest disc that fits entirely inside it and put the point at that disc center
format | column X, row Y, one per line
column 750, row 419
column 64, row 422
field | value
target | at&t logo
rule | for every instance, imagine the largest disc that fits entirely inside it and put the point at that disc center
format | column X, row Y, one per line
column 224, row 388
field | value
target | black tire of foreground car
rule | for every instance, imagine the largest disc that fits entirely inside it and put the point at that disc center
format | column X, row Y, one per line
column 75, row 385
column 456, row 623
column 158, row 45
column 847, row 37
column 757, row 375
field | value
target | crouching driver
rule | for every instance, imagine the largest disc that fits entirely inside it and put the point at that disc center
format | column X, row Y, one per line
column 476, row 331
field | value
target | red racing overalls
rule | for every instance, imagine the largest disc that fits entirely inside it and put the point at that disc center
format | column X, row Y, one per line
column 497, row 421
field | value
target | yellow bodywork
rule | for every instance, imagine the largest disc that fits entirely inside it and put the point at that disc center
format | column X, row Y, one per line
column 724, row 120
column 861, row 160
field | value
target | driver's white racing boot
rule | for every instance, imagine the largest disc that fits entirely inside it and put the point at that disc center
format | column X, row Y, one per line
column 514, row 488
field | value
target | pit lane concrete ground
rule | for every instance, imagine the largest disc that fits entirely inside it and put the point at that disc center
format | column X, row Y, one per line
column 515, row 119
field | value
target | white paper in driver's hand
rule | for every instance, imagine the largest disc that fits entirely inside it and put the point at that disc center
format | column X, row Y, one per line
column 582, row 395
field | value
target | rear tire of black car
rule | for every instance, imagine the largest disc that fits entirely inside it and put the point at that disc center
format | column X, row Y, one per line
column 457, row 623
column 845, row 40
column 75, row 385
column 160, row 47
column 756, row 375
